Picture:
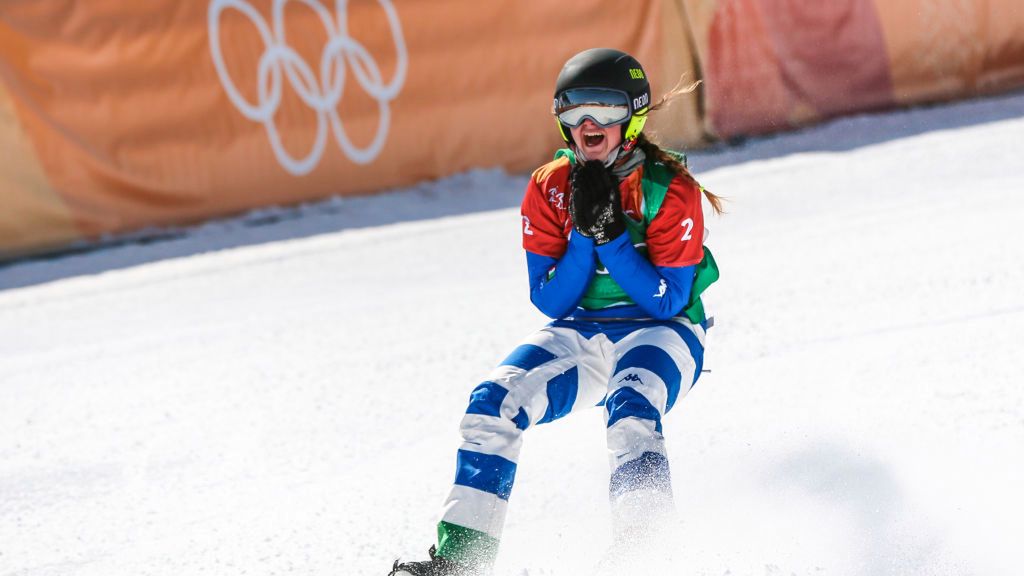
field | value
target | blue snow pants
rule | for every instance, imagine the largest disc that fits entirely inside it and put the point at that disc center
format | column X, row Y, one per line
column 638, row 369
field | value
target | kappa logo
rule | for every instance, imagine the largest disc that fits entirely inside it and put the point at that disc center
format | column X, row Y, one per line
column 320, row 88
column 556, row 198
column 662, row 288
column 631, row 377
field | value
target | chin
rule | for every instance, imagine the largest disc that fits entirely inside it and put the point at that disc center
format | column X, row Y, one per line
column 601, row 155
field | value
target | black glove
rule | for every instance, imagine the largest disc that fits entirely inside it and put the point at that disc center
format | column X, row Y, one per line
column 595, row 205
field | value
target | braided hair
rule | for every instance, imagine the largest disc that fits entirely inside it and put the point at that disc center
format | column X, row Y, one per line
column 654, row 151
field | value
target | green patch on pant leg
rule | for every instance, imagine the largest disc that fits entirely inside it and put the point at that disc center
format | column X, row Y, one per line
column 465, row 545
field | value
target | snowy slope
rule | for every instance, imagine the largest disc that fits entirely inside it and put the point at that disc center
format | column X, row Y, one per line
column 285, row 398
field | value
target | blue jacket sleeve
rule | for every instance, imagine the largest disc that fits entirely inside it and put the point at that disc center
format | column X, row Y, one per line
column 662, row 292
column 559, row 295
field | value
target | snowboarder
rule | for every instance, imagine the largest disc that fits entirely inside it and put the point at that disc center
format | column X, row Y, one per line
column 613, row 230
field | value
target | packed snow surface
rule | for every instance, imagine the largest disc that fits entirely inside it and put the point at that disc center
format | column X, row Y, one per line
column 280, row 393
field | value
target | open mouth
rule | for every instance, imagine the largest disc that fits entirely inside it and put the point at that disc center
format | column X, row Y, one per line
column 592, row 139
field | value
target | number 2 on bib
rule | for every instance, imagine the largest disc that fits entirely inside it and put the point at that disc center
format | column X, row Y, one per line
column 688, row 225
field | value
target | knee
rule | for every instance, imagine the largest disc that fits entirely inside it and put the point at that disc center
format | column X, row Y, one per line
column 628, row 402
column 487, row 409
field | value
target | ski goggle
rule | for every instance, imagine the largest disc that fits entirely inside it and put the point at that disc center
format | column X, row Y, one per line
column 603, row 106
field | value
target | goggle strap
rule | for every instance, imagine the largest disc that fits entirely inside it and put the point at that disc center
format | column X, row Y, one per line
column 561, row 130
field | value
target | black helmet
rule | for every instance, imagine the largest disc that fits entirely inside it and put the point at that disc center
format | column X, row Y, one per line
column 608, row 79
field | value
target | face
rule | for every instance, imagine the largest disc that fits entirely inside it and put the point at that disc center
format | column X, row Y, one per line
column 596, row 142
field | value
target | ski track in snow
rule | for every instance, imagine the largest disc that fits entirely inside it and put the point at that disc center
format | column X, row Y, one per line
column 284, row 398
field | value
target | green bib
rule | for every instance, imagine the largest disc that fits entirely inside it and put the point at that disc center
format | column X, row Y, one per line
column 603, row 291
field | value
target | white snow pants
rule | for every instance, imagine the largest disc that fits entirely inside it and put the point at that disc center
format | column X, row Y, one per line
column 637, row 369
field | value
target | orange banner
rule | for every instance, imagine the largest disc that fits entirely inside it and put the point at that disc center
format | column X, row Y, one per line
column 770, row 65
column 116, row 116
column 945, row 49
column 166, row 112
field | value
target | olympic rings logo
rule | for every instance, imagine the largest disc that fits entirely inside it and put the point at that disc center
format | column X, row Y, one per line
column 321, row 93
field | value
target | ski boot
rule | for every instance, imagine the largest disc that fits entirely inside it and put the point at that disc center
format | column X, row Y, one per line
column 436, row 566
